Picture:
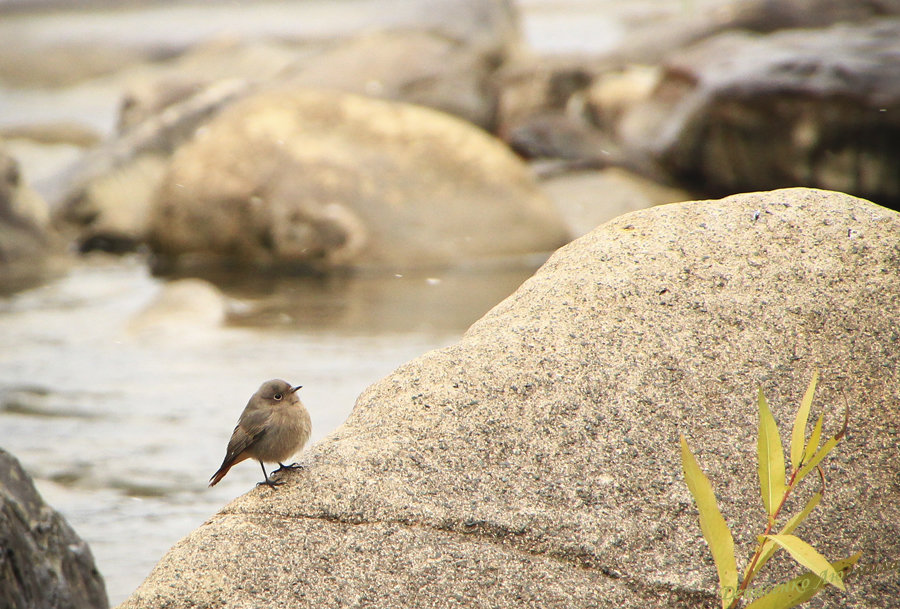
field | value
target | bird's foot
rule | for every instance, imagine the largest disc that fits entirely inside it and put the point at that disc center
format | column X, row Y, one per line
column 269, row 483
column 282, row 466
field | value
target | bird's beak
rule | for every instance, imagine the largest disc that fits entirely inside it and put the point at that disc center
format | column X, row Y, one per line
column 294, row 389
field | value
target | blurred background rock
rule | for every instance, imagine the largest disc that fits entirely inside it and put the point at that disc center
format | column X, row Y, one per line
column 436, row 149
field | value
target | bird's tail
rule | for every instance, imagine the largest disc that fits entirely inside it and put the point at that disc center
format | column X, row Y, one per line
column 230, row 461
column 220, row 474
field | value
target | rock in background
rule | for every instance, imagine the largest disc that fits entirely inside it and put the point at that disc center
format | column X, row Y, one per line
column 304, row 177
column 435, row 53
column 586, row 199
column 746, row 112
column 746, row 96
column 689, row 98
column 536, row 462
column 44, row 563
column 29, row 248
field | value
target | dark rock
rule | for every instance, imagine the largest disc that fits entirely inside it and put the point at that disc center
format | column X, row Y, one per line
column 541, row 109
column 654, row 42
column 536, row 462
column 43, row 562
column 801, row 107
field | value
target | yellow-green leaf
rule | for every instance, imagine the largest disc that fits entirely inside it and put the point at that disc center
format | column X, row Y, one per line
column 799, row 432
column 807, row 556
column 769, row 547
column 813, row 445
column 798, row 590
column 712, row 524
column 821, row 454
column 826, row 448
column 771, row 459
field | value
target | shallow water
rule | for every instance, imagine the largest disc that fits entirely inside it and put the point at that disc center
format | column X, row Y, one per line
column 122, row 431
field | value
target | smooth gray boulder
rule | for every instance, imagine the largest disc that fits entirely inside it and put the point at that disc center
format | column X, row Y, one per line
column 312, row 178
column 43, row 562
column 536, row 462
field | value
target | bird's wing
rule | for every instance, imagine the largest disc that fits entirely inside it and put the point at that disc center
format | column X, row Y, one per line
column 248, row 431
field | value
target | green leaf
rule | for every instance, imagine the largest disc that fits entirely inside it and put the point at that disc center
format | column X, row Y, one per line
column 771, row 459
column 821, row 454
column 807, row 556
column 712, row 524
column 769, row 547
column 813, row 443
column 798, row 590
column 799, row 431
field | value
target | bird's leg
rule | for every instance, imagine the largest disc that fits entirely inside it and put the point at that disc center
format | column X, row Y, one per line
column 267, row 482
column 282, row 466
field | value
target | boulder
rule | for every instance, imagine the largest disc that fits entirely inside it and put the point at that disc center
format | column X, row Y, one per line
column 799, row 107
column 577, row 196
column 105, row 195
column 28, row 247
column 111, row 213
column 120, row 157
column 431, row 52
column 301, row 178
column 150, row 91
column 541, row 108
column 567, row 110
column 536, row 462
column 654, row 38
column 45, row 564
column 417, row 67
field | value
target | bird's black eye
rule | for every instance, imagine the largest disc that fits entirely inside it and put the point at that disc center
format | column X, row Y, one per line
column 278, row 396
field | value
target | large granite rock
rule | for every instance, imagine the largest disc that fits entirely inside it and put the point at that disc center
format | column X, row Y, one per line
column 800, row 107
column 43, row 563
column 300, row 177
column 536, row 463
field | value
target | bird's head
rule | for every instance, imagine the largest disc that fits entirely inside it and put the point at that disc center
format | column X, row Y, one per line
column 278, row 391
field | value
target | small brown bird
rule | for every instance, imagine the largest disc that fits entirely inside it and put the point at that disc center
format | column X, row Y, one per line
column 273, row 426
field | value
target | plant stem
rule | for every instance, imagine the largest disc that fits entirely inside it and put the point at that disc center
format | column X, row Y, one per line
column 759, row 549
